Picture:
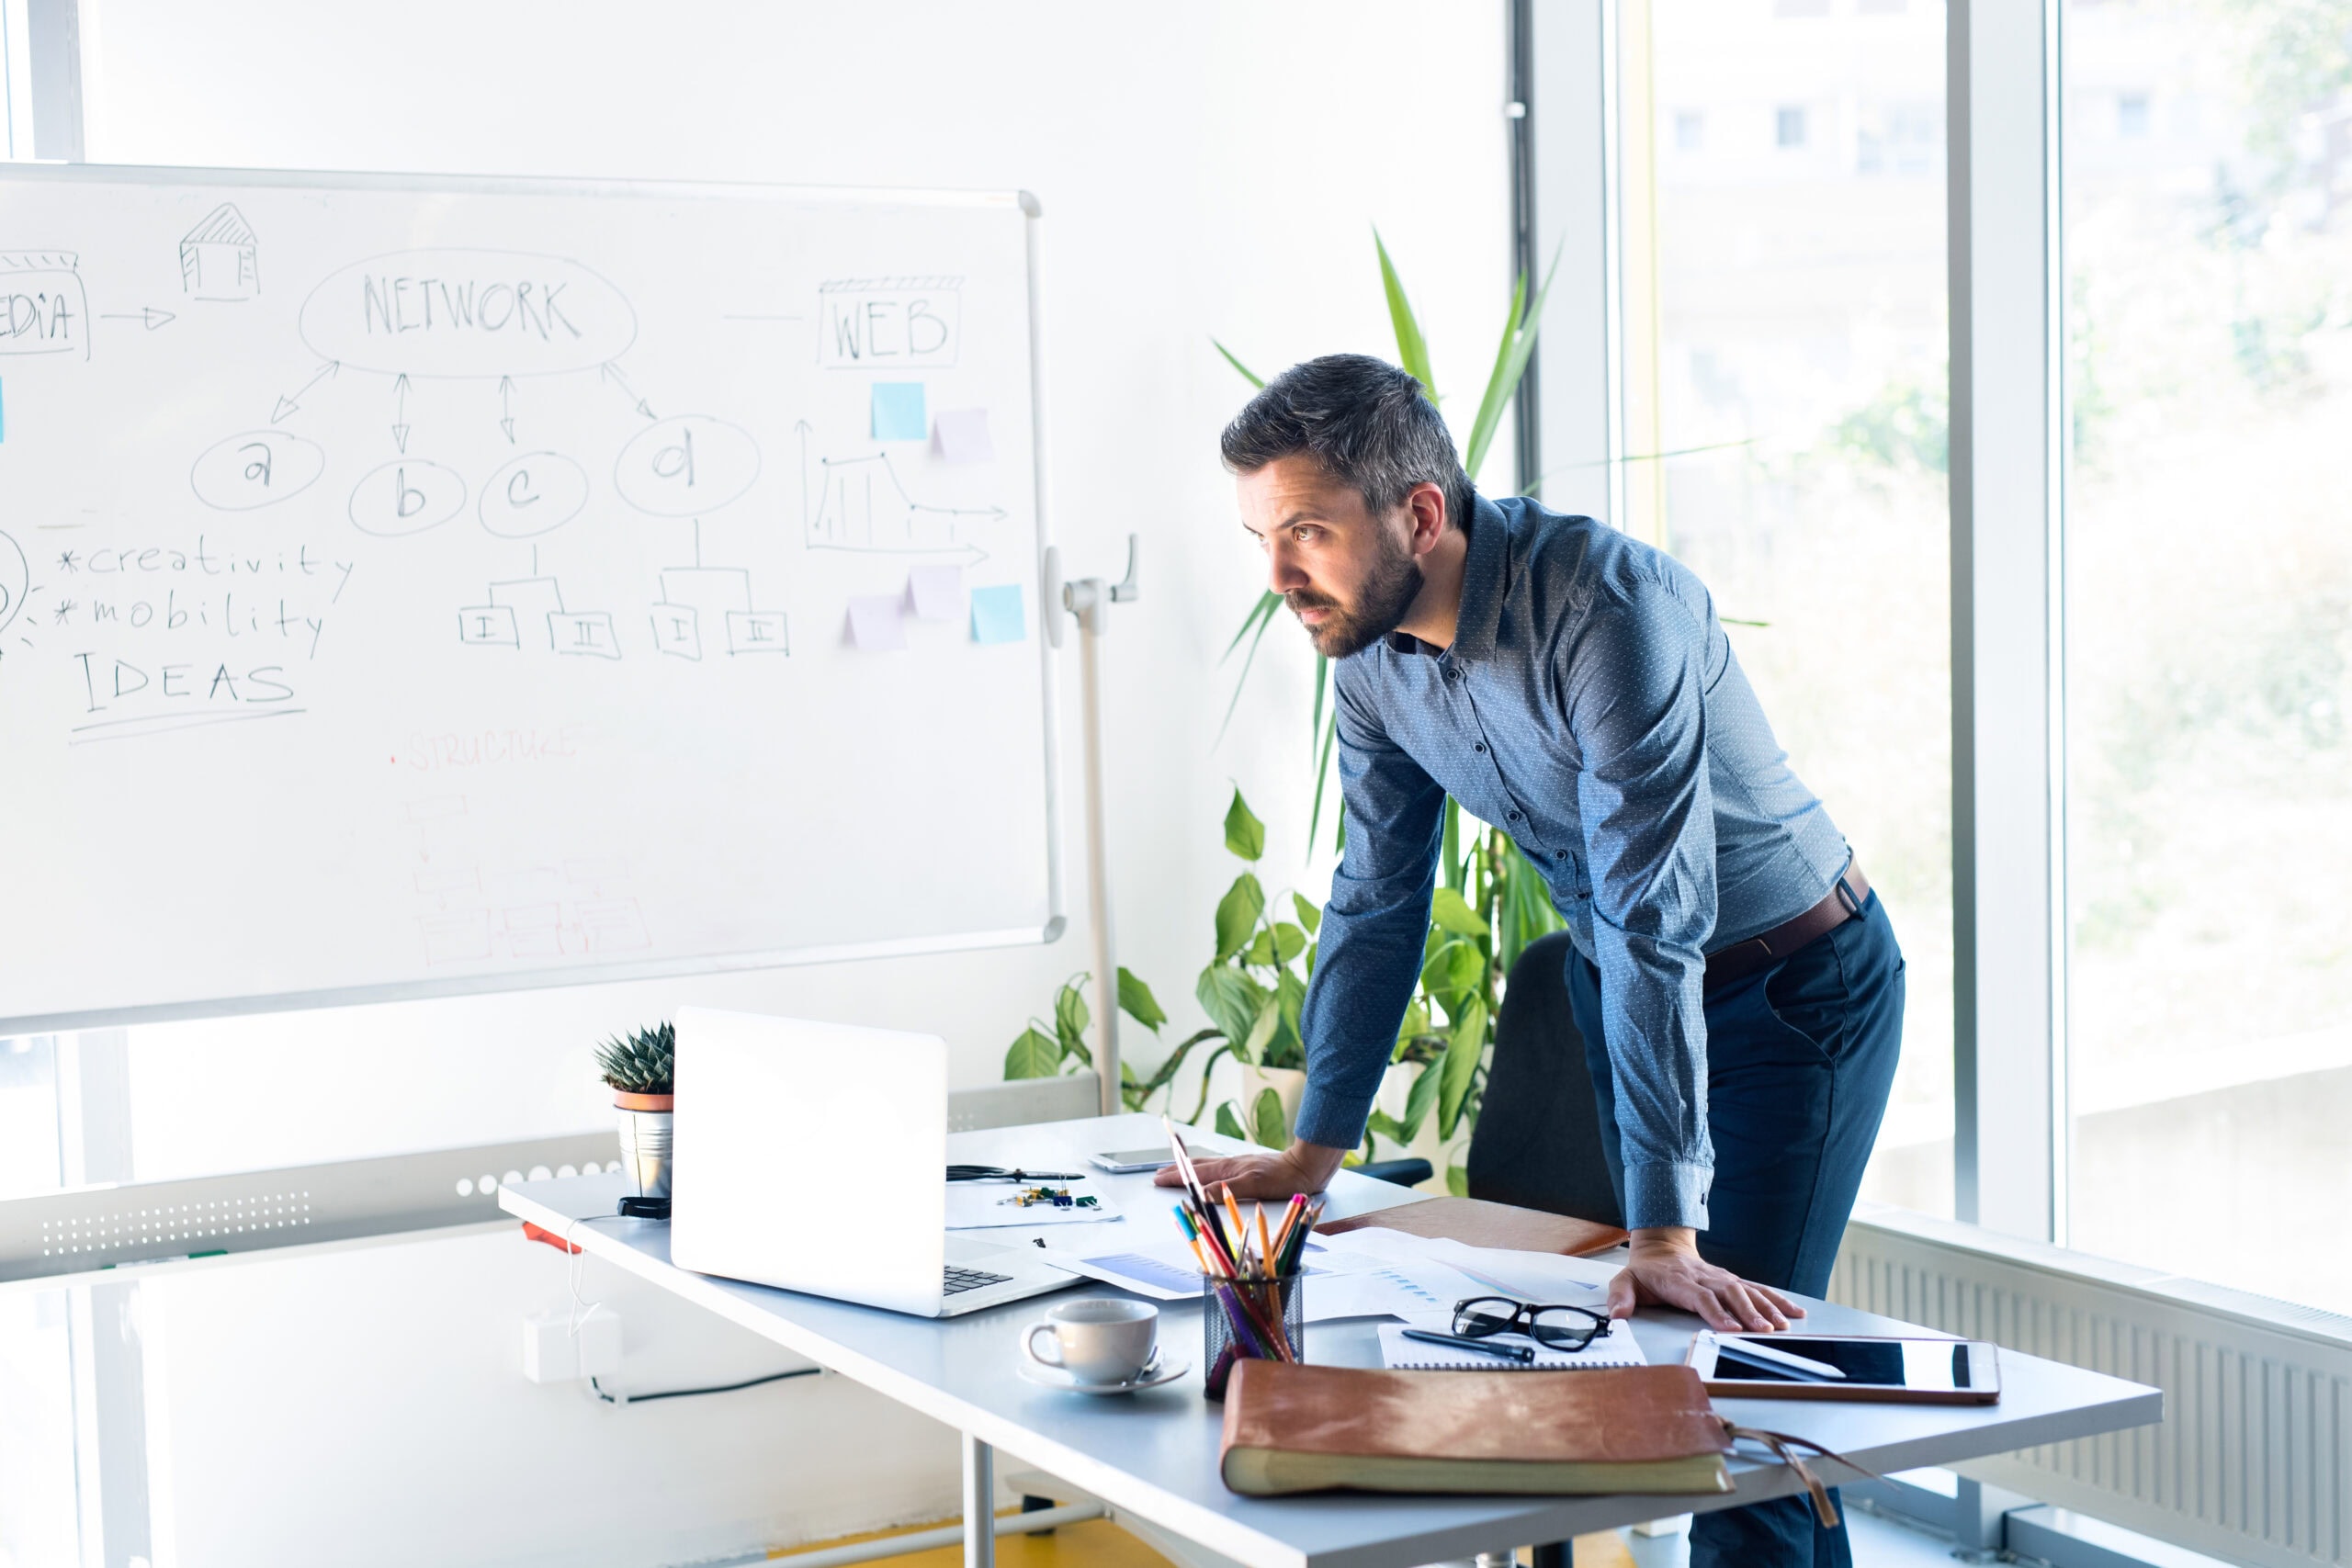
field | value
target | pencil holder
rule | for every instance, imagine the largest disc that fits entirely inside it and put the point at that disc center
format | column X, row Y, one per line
column 1240, row 1318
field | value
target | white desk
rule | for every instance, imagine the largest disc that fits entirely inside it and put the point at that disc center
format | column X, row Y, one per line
column 1154, row 1454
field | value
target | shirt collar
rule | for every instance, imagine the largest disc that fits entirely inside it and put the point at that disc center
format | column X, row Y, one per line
column 1482, row 570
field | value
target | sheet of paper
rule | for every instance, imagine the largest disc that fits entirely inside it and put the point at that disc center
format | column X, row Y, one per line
column 937, row 592
column 899, row 412
column 1388, row 1290
column 1531, row 1276
column 996, row 614
column 873, row 623
column 1164, row 1270
column 1372, row 1243
column 961, row 435
column 1528, row 1276
column 981, row 1205
column 1618, row 1348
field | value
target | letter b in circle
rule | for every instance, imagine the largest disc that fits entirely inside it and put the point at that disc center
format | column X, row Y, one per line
column 406, row 496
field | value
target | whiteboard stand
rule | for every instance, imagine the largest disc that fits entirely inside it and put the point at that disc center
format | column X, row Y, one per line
column 1088, row 598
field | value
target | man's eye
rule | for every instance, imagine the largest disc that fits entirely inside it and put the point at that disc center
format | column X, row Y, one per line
column 1301, row 534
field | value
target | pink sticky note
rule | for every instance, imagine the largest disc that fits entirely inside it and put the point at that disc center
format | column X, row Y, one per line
column 936, row 592
column 873, row 623
column 961, row 435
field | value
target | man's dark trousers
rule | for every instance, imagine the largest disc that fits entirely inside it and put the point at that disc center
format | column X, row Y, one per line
column 1800, row 1057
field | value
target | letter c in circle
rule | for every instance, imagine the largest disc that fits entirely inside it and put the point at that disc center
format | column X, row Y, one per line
column 531, row 494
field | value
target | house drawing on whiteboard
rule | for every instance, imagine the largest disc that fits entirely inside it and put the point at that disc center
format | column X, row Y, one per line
column 219, row 259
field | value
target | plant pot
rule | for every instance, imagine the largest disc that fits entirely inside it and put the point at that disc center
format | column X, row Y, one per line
column 1288, row 1084
column 645, row 1141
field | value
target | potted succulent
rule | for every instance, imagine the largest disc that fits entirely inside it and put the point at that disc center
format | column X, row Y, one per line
column 640, row 1066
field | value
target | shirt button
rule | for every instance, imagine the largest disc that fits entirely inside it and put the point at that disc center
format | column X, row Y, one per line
column 1479, row 746
column 1514, row 813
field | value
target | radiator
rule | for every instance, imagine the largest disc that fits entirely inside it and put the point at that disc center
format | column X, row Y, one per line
column 2253, row 1462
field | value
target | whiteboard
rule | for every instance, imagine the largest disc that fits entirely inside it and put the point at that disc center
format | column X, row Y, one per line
column 412, row 587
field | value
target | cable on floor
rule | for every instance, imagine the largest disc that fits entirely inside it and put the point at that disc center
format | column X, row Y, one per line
column 688, row 1393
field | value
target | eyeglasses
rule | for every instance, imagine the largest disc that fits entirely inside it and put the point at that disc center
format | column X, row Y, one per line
column 1558, row 1327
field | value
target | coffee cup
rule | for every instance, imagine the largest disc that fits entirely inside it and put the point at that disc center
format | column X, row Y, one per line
column 1101, row 1339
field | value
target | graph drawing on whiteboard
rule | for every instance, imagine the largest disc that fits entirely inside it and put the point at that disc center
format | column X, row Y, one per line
column 859, row 503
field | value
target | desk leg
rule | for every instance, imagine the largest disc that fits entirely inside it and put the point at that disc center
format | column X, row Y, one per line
column 1559, row 1555
column 979, row 1504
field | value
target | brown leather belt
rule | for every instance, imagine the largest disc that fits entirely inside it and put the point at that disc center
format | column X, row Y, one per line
column 1843, row 902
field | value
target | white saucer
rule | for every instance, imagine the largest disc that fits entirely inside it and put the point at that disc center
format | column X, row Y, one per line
column 1161, row 1370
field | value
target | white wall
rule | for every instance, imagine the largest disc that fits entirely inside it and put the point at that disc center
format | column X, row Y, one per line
column 1204, row 169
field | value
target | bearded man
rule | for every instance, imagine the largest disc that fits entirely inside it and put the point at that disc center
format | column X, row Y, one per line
column 1736, row 983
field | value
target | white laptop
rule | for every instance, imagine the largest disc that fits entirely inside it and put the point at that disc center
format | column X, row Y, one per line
column 813, row 1156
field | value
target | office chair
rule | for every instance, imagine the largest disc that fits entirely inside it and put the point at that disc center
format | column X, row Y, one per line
column 1538, row 1139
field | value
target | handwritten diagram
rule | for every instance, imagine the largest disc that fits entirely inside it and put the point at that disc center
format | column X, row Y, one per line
column 415, row 355
column 859, row 505
column 415, row 585
column 532, row 609
column 255, row 468
column 516, row 905
column 890, row 323
column 220, row 258
column 533, row 494
column 43, row 308
column 715, row 596
column 411, row 322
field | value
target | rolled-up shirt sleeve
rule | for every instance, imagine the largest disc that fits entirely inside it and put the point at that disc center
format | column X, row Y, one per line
column 1368, row 953
column 1635, row 684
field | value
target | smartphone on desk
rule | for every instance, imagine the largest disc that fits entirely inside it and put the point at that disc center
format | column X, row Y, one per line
column 1840, row 1366
column 1126, row 1162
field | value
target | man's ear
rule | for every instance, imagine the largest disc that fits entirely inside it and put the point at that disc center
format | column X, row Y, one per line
column 1425, row 507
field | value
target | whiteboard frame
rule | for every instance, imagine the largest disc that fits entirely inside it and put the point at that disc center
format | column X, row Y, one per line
column 1057, row 921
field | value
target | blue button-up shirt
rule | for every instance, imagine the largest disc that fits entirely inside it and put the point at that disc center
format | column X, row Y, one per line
column 1592, row 707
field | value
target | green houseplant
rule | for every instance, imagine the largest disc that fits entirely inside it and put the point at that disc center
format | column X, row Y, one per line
column 642, row 1068
column 1490, row 902
column 1255, row 983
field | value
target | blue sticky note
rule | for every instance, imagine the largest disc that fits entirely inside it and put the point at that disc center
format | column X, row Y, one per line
column 996, row 614
column 899, row 412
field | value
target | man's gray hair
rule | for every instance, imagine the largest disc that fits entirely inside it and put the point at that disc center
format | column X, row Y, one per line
column 1367, row 423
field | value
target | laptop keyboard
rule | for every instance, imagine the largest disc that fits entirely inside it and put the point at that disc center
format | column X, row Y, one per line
column 962, row 1279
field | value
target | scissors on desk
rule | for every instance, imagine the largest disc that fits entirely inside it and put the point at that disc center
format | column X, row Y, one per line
column 998, row 1173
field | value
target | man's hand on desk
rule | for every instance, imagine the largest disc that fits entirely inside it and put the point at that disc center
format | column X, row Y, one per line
column 1302, row 1167
column 1664, row 1269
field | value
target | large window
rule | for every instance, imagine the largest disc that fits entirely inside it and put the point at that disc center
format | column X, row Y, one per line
column 2209, row 633
column 1785, row 411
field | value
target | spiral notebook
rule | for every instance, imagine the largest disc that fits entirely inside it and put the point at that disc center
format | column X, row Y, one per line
column 1618, row 1348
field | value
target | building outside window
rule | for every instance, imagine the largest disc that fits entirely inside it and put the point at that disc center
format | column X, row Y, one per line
column 2208, row 640
column 1786, row 411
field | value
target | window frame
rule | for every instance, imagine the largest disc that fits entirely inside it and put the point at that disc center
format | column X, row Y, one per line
column 2005, row 273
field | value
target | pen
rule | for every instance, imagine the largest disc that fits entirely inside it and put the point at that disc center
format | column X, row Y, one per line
column 1518, row 1353
column 1290, row 1217
column 1183, row 1159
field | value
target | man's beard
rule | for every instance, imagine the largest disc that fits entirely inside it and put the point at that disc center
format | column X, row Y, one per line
column 1379, row 607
